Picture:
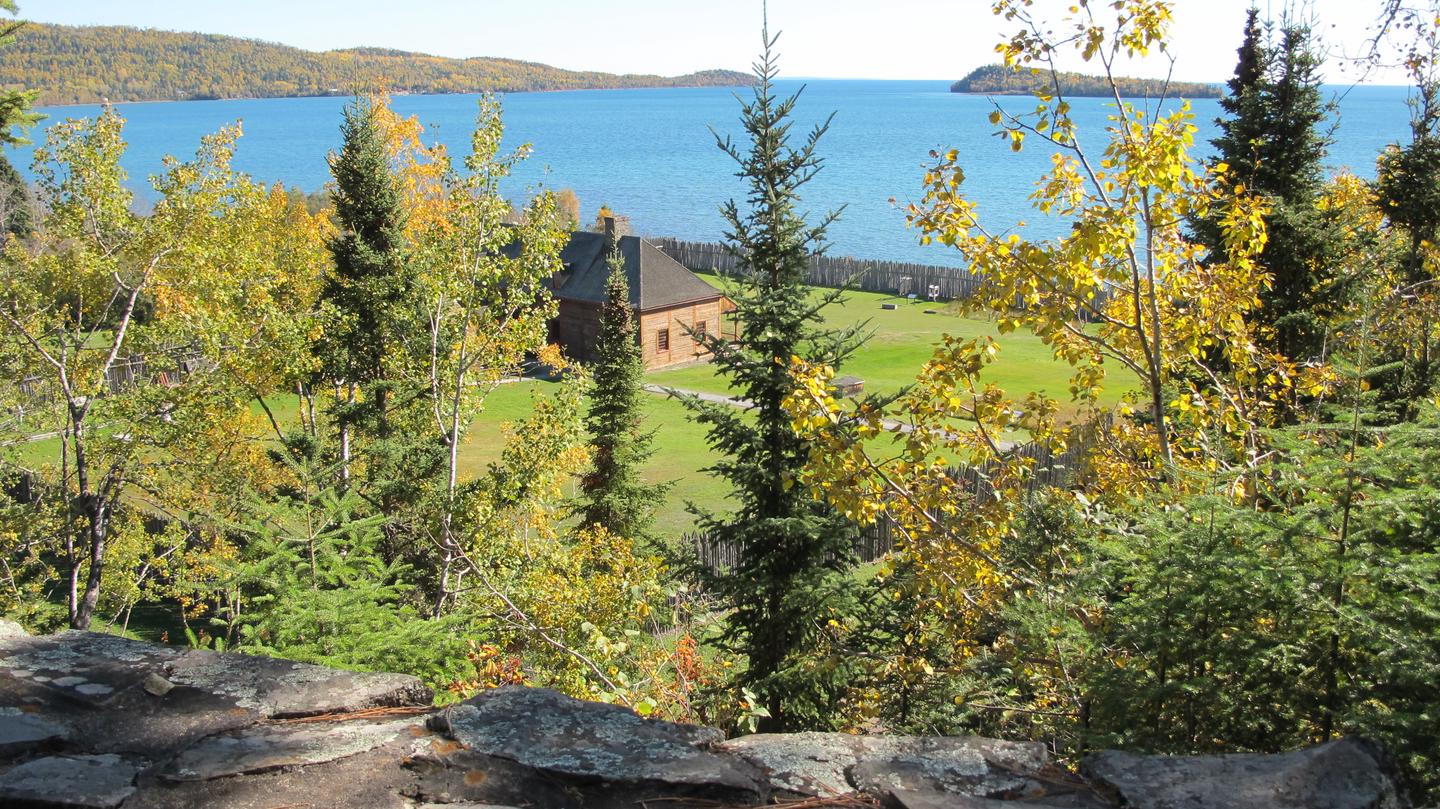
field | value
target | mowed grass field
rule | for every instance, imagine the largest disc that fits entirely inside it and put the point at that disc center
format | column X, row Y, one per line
column 898, row 343
column 901, row 340
column 680, row 450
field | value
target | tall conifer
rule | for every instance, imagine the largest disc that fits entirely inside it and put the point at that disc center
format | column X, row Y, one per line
column 788, row 596
column 17, row 213
column 1408, row 181
column 1270, row 138
column 370, row 292
column 15, row 103
column 1242, row 132
column 1408, row 191
column 613, row 496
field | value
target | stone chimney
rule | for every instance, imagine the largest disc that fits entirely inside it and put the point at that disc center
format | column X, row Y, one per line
column 615, row 227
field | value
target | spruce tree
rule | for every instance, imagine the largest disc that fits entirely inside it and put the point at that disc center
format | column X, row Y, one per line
column 1408, row 190
column 788, row 596
column 613, row 496
column 1292, row 155
column 310, row 583
column 1241, row 130
column 1242, row 127
column 15, row 103
column 368, row 284
column 1408, row 180
column 17, row 214
column 1301, row 249
column 1271, row 141
column 370, row 292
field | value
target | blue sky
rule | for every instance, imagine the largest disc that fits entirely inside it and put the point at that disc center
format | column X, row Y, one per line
column 930, row 39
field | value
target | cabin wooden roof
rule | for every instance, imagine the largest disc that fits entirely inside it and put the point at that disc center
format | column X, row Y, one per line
column 656, row 280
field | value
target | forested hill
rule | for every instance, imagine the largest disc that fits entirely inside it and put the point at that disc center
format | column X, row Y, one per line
column 78, row 65
column 1000, row 80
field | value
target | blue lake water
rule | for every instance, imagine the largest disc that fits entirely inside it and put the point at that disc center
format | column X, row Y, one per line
column 650, row 153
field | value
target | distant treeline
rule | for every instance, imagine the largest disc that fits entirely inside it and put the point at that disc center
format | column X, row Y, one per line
column 84, row 65
column 1001, row 80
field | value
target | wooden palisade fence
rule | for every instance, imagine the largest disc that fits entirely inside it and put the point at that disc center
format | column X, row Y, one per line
column 893, row 277
column 924, row 281
column 124, row 373
column 874, row 542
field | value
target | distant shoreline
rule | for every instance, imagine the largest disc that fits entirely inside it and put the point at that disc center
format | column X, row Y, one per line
column 84, row 65
column 1017, row 93
column 393, row 94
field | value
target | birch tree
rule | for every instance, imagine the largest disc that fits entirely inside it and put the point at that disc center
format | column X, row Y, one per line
column 486, row 306
column 124, row 325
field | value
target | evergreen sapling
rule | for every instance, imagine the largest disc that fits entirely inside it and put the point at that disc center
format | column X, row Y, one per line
column 789, row 598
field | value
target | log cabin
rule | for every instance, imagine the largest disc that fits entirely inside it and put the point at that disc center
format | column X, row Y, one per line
column 669, row 301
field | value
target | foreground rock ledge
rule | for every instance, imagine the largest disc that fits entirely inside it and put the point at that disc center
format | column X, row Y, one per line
column 90, row 720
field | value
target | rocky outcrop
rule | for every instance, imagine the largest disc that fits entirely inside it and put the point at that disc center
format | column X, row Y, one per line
column 263, row 748
column 98, row 781
column 91, row 720
column 1344, row 774
column 112, row 695
column 548, row 733
column 837, row 764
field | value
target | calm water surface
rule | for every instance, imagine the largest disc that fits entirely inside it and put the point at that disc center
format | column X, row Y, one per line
column 651, row 154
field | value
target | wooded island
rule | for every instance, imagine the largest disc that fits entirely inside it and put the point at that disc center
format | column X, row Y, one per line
column 1004, row 81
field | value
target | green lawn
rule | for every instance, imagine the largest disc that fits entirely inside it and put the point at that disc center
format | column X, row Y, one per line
column 901, row 340
column 34, row 453
column 680, row 450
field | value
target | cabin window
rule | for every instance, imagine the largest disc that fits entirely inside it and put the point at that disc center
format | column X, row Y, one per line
column 700, row 331
column 662, row 340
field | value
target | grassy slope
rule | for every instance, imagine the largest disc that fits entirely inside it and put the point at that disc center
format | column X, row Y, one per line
column 680, row 451
column 902, row 341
